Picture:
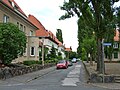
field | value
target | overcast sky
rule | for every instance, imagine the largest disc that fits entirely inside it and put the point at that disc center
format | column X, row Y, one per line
column 48, row 13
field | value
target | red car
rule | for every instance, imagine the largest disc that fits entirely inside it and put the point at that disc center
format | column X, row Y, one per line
column 62, row 64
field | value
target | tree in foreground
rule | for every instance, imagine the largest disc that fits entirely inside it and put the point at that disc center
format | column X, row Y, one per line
column 12, row 42
column 96, row 15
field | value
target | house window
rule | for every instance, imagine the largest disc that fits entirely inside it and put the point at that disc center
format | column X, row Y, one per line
column 31, row 33
column 115, row 55
column 24, row 29
column 21, row 27
column 32, row 51
column 115, row 45
column 5, row 19
column 18, row 24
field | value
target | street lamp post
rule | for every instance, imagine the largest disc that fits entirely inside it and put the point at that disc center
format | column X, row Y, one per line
column 42, row 51
column 103, row 67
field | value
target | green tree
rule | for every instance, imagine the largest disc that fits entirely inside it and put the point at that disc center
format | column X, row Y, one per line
column 59, row 35
column 97, row 15
column 12, row 42
column 45, row 53
column 73, row 55
column 83, row 54
column 84, row 32
column 117, row 17
column 59, row 57
column 52, row 52
column 67, row 54
column 89, row 44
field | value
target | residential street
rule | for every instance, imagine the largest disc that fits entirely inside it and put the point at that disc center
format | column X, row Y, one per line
column 73, row 78
column 38, row 38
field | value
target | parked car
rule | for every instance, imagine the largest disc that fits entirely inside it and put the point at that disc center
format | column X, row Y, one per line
column 74, row 60
column 70, row 63
column 62, row 64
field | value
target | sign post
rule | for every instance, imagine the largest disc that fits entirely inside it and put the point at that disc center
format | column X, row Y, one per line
column 104, row 44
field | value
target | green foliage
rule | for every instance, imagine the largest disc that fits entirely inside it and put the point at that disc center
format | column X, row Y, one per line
column 12, row 42
column 66, row 54
column 84, row 55
column 45, row 53
column 51, row 61
column 59, row 57
column 94, row 15
column 118, row 16
column 59, row 35
column 53, row 52
column 73, row 55
column 31, row 62
column 59, row 54
column 52, row 55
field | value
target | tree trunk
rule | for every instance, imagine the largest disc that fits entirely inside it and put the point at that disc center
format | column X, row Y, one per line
column 99, row 55
column 87, row 58
column 91, row 60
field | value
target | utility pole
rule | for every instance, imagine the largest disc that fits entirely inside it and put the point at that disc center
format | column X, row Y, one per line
column 103, row 65
column 42, row 51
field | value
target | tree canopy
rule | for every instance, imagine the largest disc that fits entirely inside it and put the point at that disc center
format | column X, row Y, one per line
column 53, row 52
column 59, row 35
column 94, row 15
column 12, row 42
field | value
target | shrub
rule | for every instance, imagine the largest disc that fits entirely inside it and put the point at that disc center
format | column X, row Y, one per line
column 12, row 42
column 59, row 57
column 51, row 61
column 31, row 62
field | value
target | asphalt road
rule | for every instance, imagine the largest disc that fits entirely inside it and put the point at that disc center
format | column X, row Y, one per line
column 73, row 78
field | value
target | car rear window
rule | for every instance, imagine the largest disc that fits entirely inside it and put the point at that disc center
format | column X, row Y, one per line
column 61, row 61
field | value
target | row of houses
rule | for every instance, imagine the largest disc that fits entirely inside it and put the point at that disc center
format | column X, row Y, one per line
column 35, row 32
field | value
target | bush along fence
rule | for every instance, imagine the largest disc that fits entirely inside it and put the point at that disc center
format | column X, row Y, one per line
column 9, row 72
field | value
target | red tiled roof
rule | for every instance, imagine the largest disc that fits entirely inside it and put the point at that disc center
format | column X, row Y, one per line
column 116, row 37
column 41, row 31
column 59, row 43
column 9, row 3
column 68, row 49
column 52, row 35
column 35, row 21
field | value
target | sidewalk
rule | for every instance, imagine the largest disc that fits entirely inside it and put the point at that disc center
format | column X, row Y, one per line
column 110, row 69
column 18, row 80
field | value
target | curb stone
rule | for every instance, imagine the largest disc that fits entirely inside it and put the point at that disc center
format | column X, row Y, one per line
column 36, row 77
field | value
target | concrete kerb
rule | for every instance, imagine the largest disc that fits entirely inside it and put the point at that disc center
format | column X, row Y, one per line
column 36, row 77
column 110, row 86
